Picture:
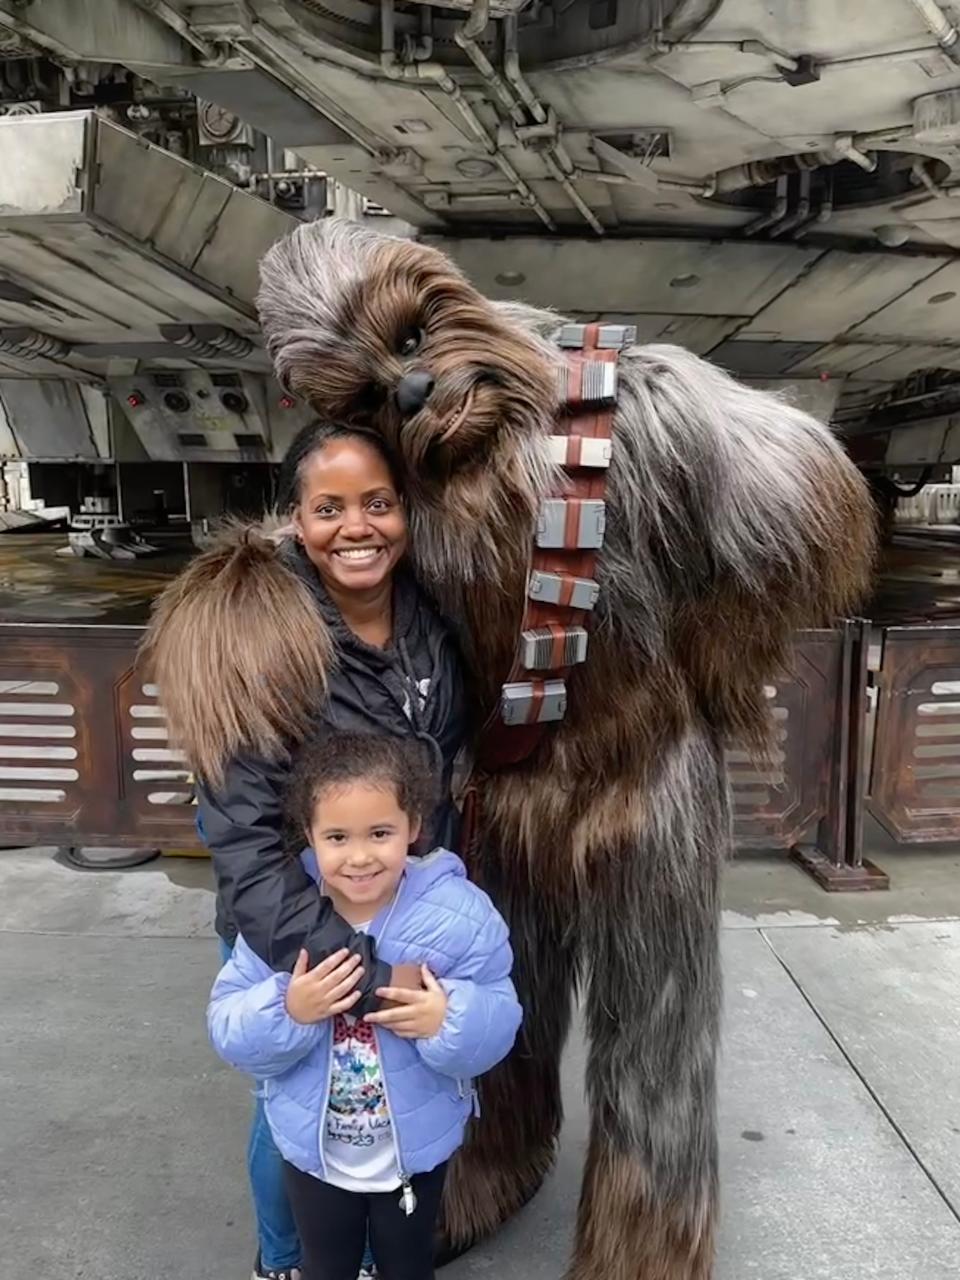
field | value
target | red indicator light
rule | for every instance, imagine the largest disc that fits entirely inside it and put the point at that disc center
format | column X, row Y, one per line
column 287, row 402
column 134, row 399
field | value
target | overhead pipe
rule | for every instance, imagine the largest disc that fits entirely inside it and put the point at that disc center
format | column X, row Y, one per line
column 514, row 93
column 802, row 211
column 844, row 146
column 821, row 217
column 434, row 73
column 511, row 69
column 423, row 48
column 466, row 37
column 937, row 21
column 757, row 47
column 689, row 186
column 555, row 156
column 513, row 100
column 866, row 61
column 573, row 195
column 926, row 179
column 776, row 214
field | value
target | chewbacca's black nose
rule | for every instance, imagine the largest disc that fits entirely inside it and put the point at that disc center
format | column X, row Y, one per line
column 413, row 391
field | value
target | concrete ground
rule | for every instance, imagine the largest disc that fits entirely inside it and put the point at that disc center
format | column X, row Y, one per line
column 122, row 1138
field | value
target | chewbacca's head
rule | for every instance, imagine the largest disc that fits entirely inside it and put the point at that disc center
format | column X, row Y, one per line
column 386, row 332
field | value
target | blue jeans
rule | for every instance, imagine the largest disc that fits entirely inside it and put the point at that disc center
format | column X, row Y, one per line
column 276, row 1230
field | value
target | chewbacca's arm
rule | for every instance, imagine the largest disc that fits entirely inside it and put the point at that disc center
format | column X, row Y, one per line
column 735, row 519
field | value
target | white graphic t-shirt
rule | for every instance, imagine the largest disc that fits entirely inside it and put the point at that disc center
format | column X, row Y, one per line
column 359, row 1152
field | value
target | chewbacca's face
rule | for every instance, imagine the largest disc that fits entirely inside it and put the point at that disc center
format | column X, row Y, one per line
column 403, row 344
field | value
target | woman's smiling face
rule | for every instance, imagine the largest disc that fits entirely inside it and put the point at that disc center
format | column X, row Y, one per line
column 349, row 516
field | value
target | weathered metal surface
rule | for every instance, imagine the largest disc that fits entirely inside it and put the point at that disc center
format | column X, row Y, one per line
column 198, row 416
column 915, row 784
column 105, row 238
column 781, row 801
column 84, row 756
column 84, row 751
column 53, row 419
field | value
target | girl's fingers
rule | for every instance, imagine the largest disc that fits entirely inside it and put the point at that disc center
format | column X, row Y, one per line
column 300, row 968
column 347, row 1003
column 388, row 1017
column 342, row 971
column 326, row 967
column 346, row 985
column 429, row 981
column 400, row 995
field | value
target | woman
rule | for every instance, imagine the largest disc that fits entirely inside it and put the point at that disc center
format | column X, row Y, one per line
column 366, row 653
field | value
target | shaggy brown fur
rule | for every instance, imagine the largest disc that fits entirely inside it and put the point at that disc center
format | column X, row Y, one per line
column 732, row 520
column 227, row 687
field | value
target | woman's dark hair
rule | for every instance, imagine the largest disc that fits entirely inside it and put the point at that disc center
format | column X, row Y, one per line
column 310, row 440
column 334, row 759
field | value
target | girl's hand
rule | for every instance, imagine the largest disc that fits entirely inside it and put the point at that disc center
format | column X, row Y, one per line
column 417, row 1015
column 318, row 993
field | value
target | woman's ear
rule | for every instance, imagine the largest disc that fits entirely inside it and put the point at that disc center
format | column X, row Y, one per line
column 296, row 524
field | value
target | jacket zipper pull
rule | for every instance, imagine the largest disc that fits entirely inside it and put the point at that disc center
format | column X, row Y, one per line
column 408, row 1199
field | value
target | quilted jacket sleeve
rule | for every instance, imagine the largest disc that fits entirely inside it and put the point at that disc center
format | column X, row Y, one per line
column 248, row 1020
column 483, row 1012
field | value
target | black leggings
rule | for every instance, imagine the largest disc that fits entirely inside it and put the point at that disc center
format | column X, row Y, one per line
column 333, row 1226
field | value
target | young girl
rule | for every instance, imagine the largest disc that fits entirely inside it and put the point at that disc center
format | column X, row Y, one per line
column 367, row 1111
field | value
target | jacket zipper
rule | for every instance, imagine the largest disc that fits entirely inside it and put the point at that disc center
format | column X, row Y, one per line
column 408, row 1198
column 326, row 1102
column 467, row 1089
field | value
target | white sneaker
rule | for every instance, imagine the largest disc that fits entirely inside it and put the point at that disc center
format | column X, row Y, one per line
column 267, row 1273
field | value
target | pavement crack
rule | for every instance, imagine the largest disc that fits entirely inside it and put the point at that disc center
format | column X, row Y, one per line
column 851, row 1063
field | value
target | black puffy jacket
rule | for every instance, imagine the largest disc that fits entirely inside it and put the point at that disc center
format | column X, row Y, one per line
column 414, row 686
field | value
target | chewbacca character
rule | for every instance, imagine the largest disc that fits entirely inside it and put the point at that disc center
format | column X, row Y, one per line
column 602, row 820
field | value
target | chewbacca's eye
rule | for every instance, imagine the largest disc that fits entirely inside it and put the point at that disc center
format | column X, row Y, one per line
column 411, row 340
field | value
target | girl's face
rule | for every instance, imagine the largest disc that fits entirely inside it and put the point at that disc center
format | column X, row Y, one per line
column 349, row 517
column 361, row 837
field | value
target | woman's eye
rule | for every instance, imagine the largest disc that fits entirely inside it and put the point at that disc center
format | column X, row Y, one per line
column 410, row 342
column 326, row 512
column 379, row 504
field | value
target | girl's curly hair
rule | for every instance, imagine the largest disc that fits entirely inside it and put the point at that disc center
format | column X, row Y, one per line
column 335, row 759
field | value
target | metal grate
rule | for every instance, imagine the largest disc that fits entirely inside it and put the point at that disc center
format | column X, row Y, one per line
column 38, row 755
column 752, row 782
column 158, row 770
column 937, row 742
column 915, row 781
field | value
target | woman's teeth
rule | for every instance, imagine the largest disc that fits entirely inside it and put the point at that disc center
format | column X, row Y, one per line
column 359, row 553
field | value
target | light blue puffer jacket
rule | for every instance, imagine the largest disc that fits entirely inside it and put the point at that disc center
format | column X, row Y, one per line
column 438, row 918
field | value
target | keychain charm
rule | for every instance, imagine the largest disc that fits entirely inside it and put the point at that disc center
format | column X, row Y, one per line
column 408, row 1199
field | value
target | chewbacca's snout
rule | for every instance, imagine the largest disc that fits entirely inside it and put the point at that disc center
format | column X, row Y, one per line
column 413, row 391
